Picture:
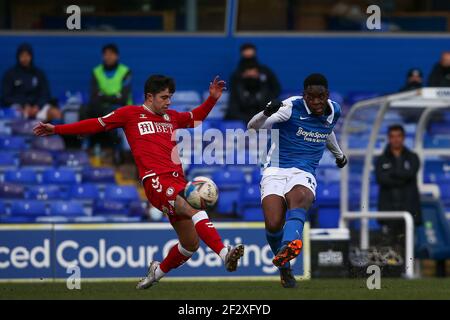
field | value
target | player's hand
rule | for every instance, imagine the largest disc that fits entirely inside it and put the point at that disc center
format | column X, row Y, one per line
column 272, row 107
column 342, row 162
column 216, row 87
column 44, row 129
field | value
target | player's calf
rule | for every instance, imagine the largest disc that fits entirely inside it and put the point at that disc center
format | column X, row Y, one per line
column 209, row 235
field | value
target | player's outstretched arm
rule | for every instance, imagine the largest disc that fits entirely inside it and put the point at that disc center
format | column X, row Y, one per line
column 44, row 129
column 333, row 146
column 89, row 126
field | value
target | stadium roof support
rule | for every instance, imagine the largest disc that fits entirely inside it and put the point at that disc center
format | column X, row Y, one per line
column 428, row 99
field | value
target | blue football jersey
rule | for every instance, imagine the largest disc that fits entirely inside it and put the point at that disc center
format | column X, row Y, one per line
column 301, row 137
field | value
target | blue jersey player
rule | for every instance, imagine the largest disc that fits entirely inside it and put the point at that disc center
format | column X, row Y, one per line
column 288, row 185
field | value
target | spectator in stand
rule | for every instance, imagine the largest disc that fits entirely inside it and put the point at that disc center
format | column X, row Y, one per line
column 110, row 89
column 25, row 86
column 414, row 80
column 440, row 75
column 248, row 53
column 250, row 92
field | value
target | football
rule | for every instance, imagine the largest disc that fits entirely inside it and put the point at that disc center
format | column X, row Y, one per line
column 201, row 193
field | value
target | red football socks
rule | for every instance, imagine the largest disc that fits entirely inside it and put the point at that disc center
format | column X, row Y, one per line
column 176, row 257
column 207, row 232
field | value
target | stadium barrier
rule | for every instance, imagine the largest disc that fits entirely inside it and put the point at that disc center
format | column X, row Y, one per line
column 123, row 251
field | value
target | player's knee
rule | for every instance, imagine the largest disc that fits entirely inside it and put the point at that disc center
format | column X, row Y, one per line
column 300, row 197
column 273, row 226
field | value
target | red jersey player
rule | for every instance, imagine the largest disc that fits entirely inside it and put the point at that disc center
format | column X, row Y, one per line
column 149, row 130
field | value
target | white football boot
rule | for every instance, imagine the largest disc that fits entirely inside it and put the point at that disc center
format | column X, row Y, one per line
column 150, row 279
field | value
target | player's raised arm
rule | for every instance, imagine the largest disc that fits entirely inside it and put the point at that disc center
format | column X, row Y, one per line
column 333, row 146
column 216, row 88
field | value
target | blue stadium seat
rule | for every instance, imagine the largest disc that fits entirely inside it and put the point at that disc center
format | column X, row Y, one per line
column 36, row 158
column 8, row 160
column 84, row 191
column 328, row 217
column 249, row 205
column 121, row 193
column 433, row 239
column 66, row 208
column 439, row 128
column 444, row 186
column 109, row 207
column 72, row 159
column 49, row 192
column 99, row 175
column 50, row 143
column 224, row 98
column 185, row 100
column 256, row 175
column 229, row 183
column 329, row 194
column 59, row 176
column 12, row 143
column 11, row 191
column 10, row 113
column 232, row 178
column 22, row 176
column 138, row 209
column 23, row 127
column 29, row 208
column 228, row 202
column 437, row 141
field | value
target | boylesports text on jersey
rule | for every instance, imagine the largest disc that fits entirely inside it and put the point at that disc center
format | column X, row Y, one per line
column 149, row 127
column 312, row 136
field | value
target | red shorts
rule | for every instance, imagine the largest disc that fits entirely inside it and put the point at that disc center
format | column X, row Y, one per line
column 162, row 190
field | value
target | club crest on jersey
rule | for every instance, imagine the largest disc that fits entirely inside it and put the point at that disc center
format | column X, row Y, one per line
column 166, row 117
column 142, row 116
column 170, row 191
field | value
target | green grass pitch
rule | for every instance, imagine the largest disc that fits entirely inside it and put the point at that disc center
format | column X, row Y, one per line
column 431, row 288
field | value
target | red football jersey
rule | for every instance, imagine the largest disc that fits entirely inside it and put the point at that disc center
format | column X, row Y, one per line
column 151, row 137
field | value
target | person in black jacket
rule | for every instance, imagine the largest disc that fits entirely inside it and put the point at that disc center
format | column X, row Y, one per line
column 248, row 53
column 250, row 93
column 25, row 86
column 440, row 75
column 396, row 173
column 414, row 80
column 267, row 84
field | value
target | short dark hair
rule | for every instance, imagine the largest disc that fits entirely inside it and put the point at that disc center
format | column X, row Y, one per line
column 315, row 79
column 247, row 45
column 396, row 127
column 111, row 46
column 157, row 83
